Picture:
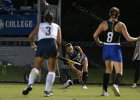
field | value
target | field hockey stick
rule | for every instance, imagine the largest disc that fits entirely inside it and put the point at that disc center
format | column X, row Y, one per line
column 69, row 61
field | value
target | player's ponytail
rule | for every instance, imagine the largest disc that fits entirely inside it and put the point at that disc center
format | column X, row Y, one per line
column 49, row 17
column 114, row 12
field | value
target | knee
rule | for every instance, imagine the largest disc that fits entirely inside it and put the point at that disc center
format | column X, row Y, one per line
column 109, row 71
column 35, row 71
column 119, row 74
column 85, row 68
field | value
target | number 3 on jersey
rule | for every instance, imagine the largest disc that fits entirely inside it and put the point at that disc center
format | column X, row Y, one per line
column 109, row 36
column 48, row 32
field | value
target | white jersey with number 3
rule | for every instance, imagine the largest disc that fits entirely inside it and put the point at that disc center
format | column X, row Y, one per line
column 47, row 30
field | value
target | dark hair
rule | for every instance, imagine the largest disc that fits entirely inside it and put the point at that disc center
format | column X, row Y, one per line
column 114, row 11
column 68, row 45
column 49, row 17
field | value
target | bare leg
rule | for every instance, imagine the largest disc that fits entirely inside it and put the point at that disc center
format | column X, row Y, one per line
column 85, row 72
column 35, row 71
column 108, row 71
column 52, row 62
column 33, row 75
column 119, row 71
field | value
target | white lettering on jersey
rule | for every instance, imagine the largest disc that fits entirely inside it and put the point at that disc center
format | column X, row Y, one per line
column 109, row 36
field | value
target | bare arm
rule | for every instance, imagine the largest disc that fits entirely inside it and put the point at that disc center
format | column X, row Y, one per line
column 72, row 65
column 78, row 72
column 126, row 34
column 81, row 52
column 73, row 68
column 31, row 36
column 97, row 33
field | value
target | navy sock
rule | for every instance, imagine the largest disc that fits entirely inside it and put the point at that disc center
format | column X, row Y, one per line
column 118, row 79
column 76, row 81
column 105, row 81
column 84, row 78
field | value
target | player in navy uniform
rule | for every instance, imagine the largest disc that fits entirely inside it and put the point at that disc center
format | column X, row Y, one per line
column 112, row 55
column 49, row 41
column 75, row 53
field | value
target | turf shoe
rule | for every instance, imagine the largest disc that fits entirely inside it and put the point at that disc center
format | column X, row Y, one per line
column 84, row 87
column 116, row 90
column 48, row 94
column 67, row 84
column 134, row 85
column 27, row 90
column 104, row 93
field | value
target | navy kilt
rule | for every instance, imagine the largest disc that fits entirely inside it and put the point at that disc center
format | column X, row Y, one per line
column 47, row 48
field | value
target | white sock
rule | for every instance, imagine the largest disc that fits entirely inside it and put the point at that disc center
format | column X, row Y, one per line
column 49, row 81
column 33, row 75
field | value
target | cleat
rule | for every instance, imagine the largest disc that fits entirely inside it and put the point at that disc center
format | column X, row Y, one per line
column 27, row 90
column 134, row 85
column 67, row 84
column 116, row 90
column 104, row 93
column 48, row 94
column 84, row 87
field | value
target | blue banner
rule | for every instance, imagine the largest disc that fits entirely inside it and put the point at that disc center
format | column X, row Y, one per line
column 17, row 24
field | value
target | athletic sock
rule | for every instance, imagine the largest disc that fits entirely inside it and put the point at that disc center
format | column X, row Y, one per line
column 105, row 81
column 76, row 81
column 49, row 81
column 71, row 82
column 118, row 79
column 33, row 75
column 84, row 78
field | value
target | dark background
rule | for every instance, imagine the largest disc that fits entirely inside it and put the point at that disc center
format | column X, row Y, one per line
column 79, row 26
